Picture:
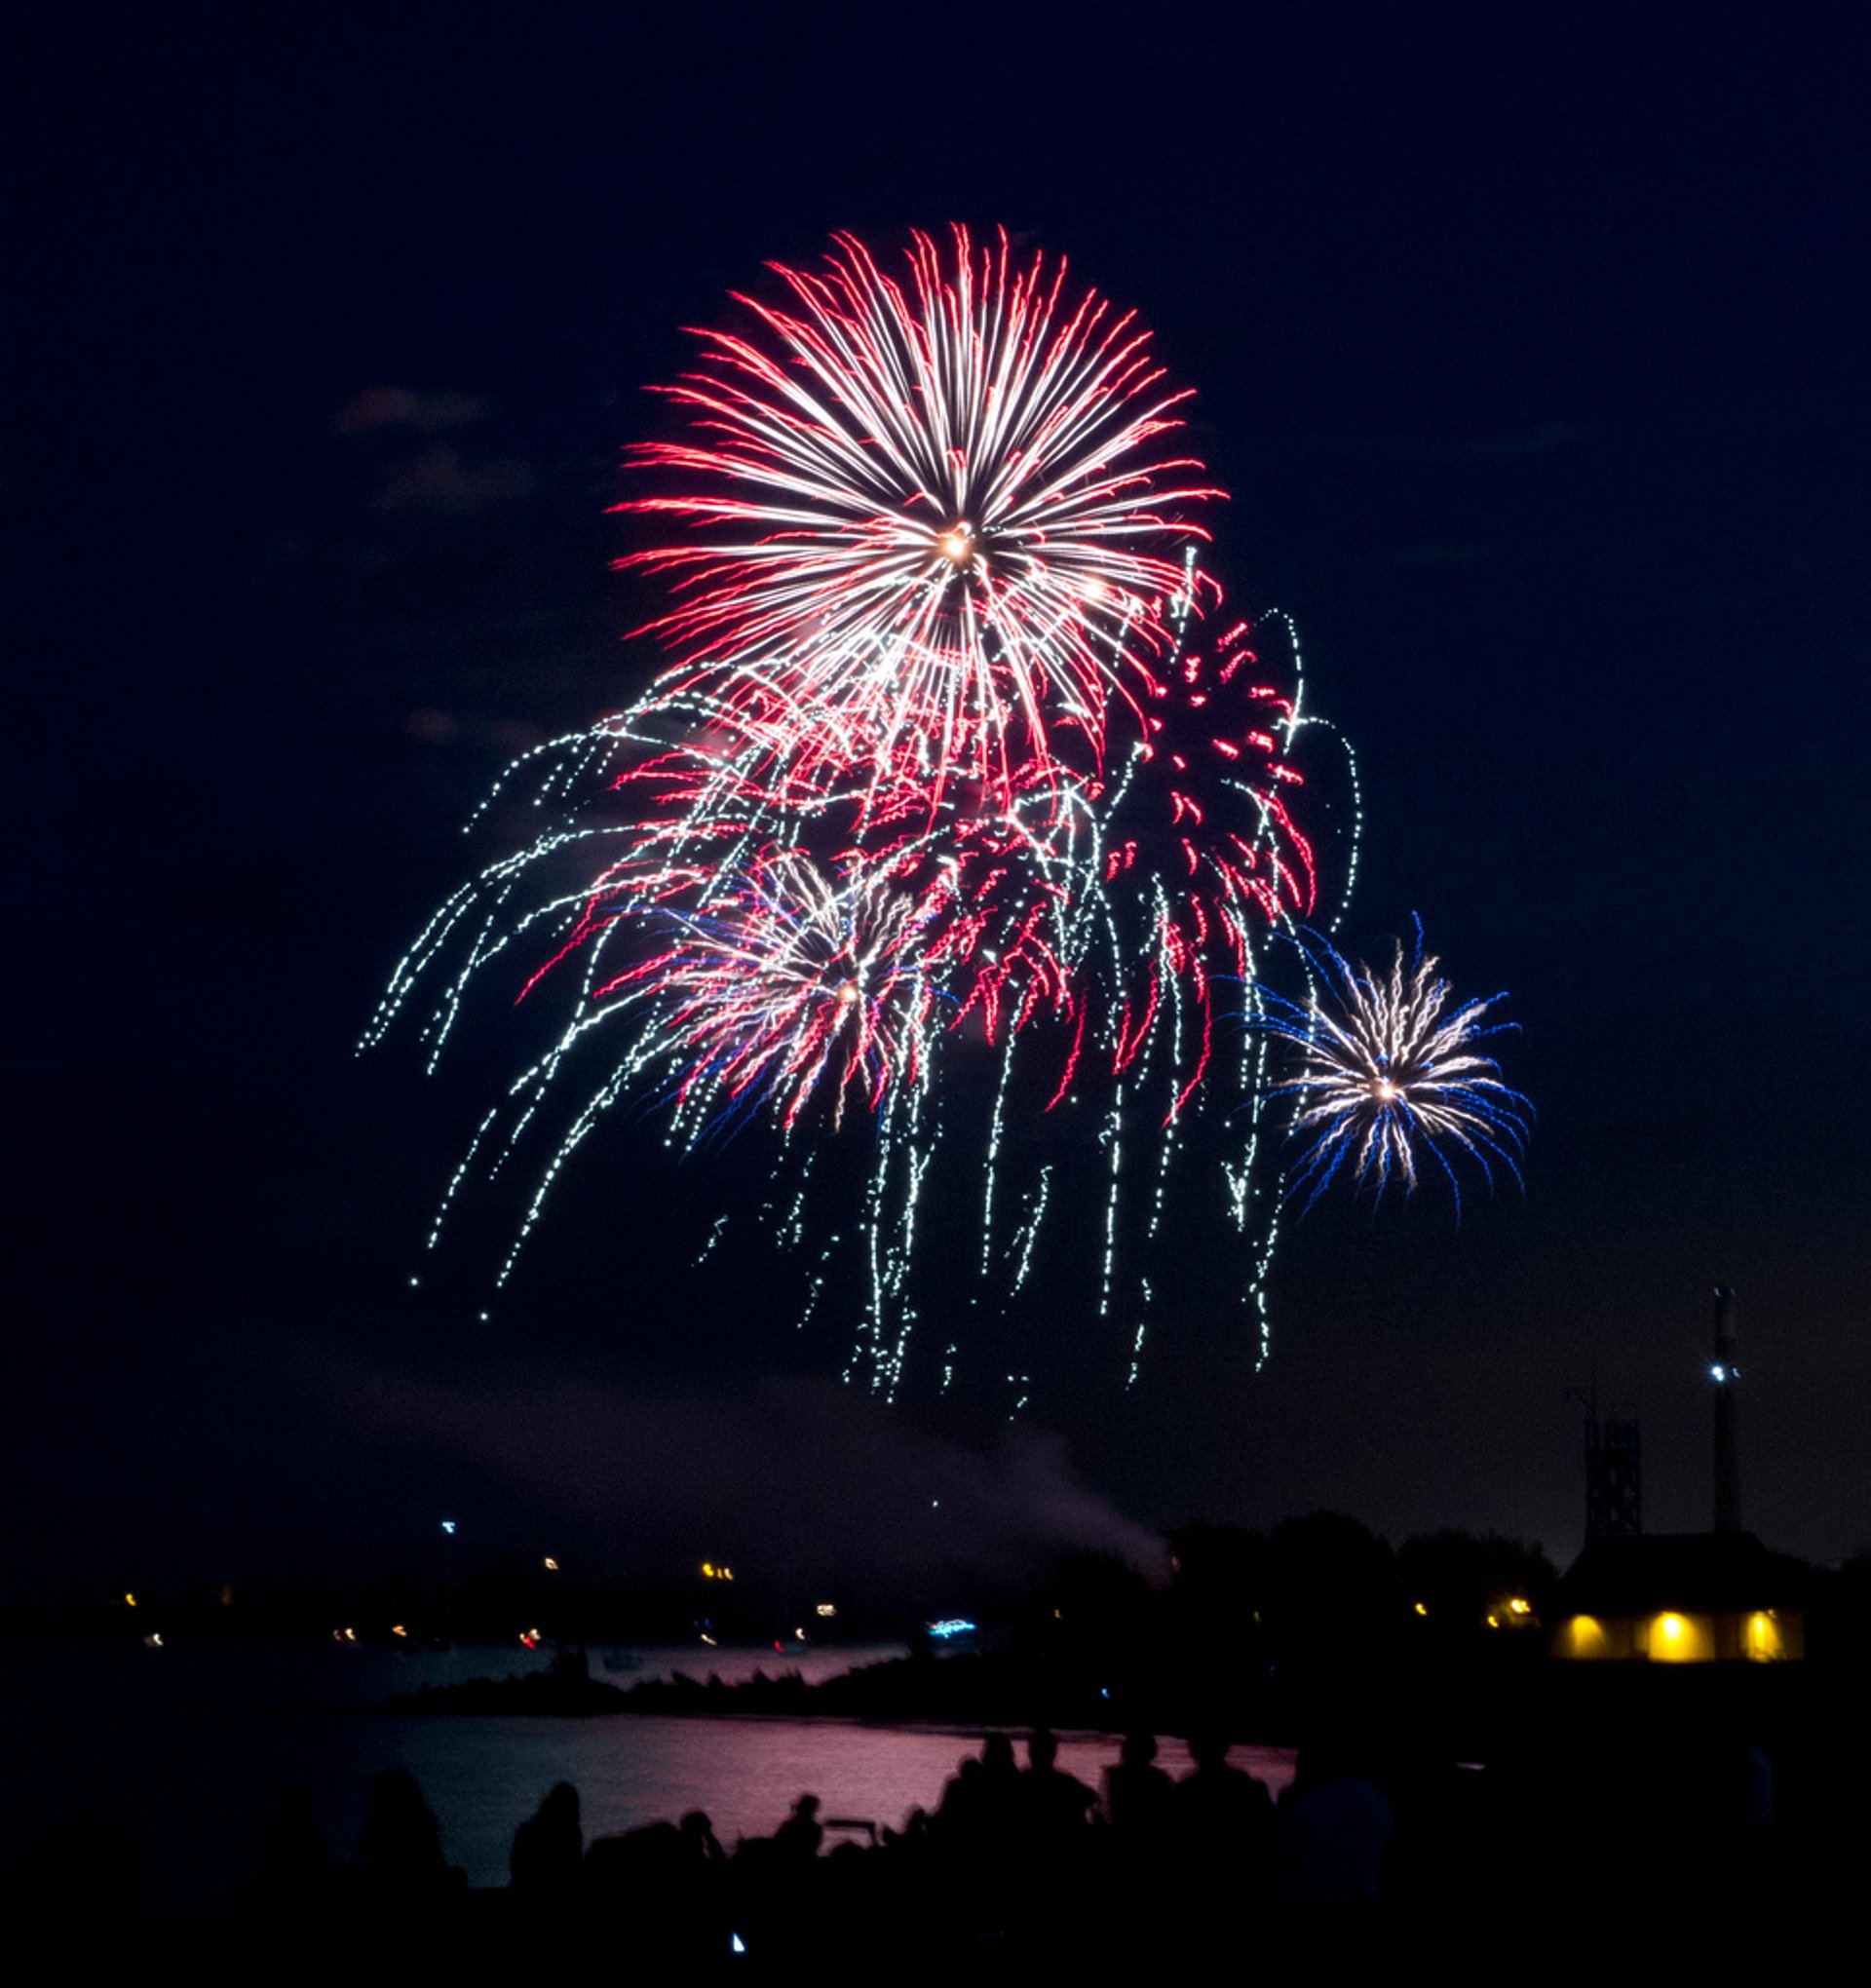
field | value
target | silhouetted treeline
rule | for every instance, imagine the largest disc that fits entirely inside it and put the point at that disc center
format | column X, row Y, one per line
column 1323, row 1567
column 492, row 1601
column 1242, row 1616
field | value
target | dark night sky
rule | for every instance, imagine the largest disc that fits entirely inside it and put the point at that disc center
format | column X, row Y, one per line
column 1530, row 345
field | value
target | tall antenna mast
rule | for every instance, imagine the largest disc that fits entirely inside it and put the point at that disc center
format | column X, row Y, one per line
column 1725, row 1373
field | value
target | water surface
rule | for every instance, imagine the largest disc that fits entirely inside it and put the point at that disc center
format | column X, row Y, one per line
column 185, row 1748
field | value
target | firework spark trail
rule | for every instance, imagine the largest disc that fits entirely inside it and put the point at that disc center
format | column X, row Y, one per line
column 714, row 947
column 1390, row 1071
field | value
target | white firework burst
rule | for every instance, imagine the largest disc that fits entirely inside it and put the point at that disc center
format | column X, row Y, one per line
column 1391, row 1074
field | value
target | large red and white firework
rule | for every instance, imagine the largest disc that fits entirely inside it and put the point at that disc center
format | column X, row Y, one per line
column 944, row 507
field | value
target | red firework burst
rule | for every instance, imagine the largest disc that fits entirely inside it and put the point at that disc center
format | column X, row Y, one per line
column 940, row 508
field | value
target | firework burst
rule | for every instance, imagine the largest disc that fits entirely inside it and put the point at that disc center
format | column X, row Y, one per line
column 788, row 982
column 1391, row 1073
column 949, row 819
column 940, row 506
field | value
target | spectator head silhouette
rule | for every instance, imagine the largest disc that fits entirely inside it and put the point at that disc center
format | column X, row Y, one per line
column 1209, row 1750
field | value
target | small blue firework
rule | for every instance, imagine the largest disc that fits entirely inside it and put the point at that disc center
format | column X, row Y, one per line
column 1390, row 1073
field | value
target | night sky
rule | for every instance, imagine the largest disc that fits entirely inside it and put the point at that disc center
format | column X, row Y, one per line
column 1530, row 345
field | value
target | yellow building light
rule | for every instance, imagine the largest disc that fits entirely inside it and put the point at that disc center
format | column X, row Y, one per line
column 1586, row 1636
column 1681, row 1639
column 1765, row 1643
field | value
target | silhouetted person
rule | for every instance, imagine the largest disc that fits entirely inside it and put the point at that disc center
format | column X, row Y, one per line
column 1333, row 1842
column 1056, row 1804
column 291, row 1860
column 400, row 1860
column 549, row 1850
column 913, row 1837
column 959, row 1814
column 799, row 1836
column 1219, row 1809
column 704, row 1889
column 979, row 1834
column 1222, row 1826
column 997, row 1760
column 776, row 1885
column 697, row 1828
column 999, row 1793
column 1136, row 1791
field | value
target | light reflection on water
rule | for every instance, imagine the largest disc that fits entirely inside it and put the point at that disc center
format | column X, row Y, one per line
column 185, row 1748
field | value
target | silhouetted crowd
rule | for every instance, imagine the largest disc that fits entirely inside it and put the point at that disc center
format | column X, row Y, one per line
column 1011, row 1859
column 1349, row 1875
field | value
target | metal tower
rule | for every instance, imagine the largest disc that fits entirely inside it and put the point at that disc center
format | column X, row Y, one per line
column 1614, row 1468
